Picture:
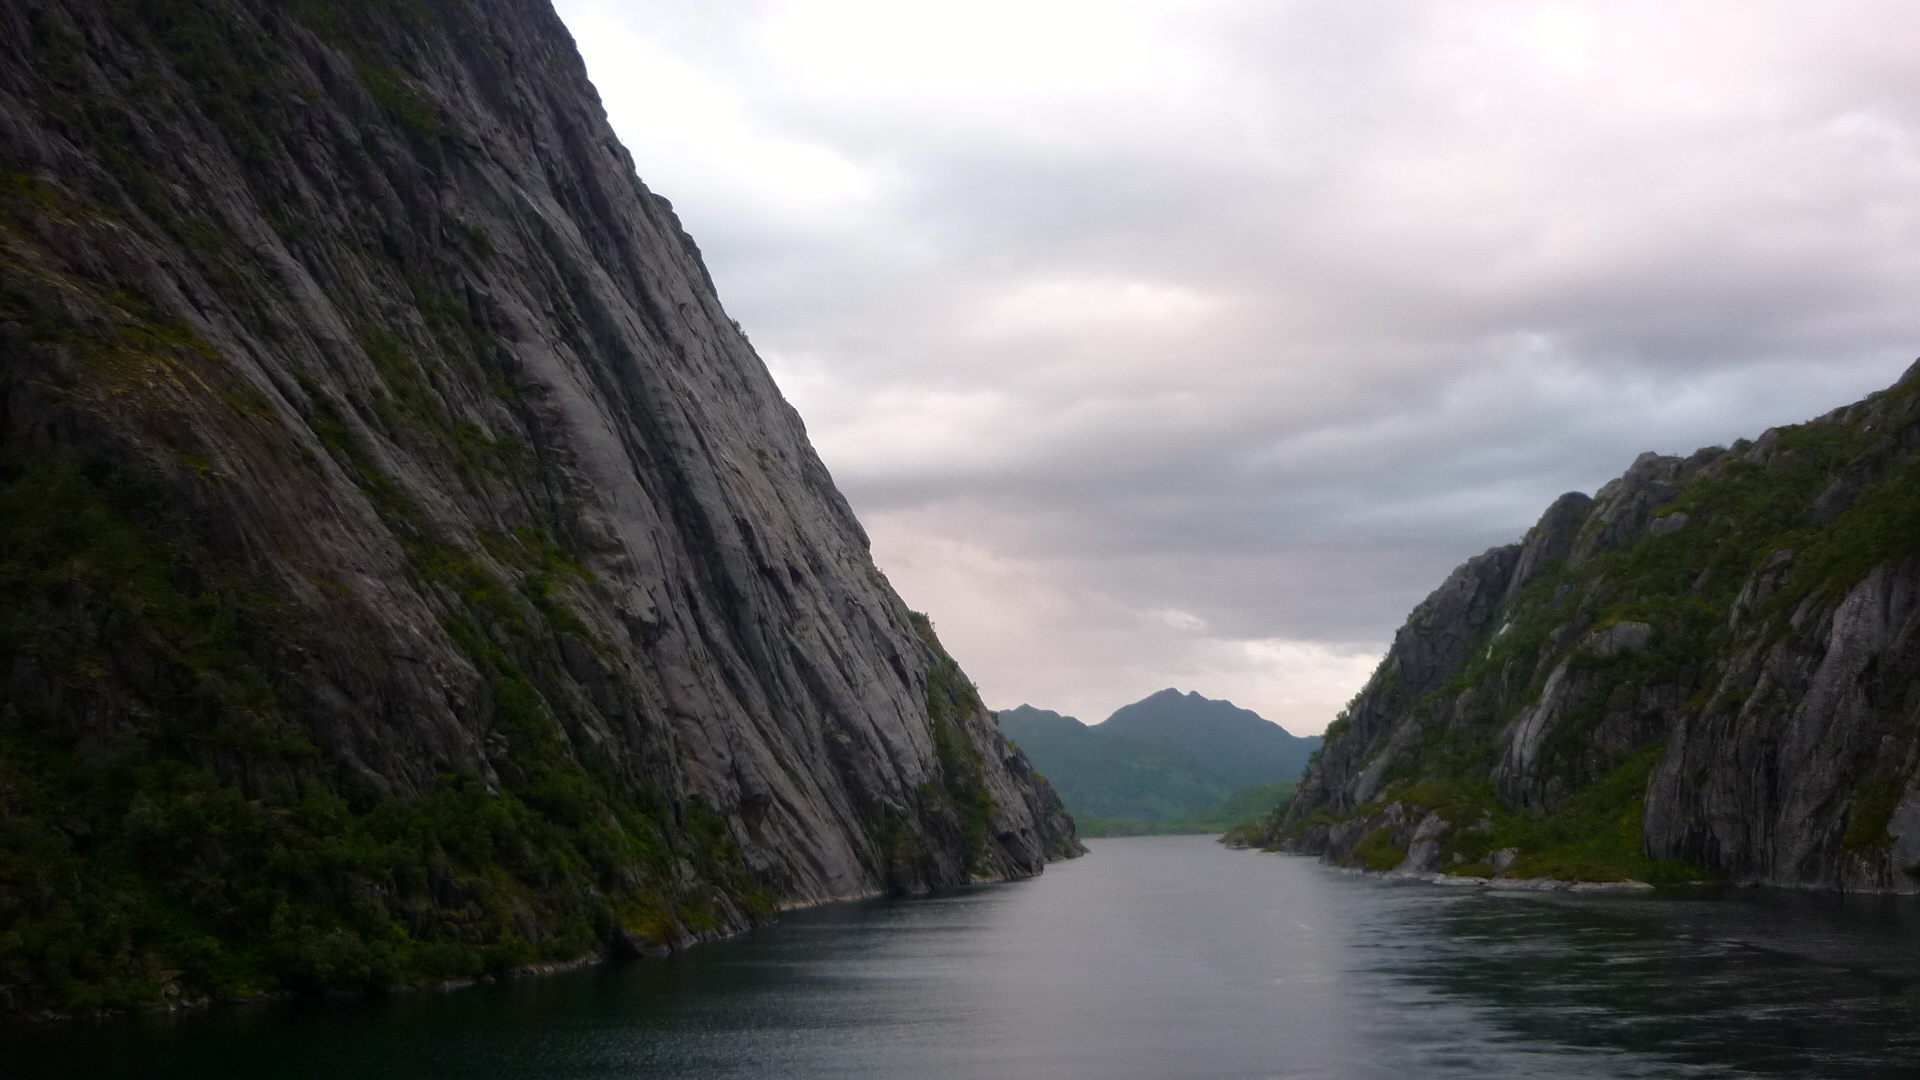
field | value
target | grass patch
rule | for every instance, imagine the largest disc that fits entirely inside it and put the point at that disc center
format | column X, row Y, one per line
column 1594, row 836
column 952, row 701
column 1376, row 851
column 1873, row 806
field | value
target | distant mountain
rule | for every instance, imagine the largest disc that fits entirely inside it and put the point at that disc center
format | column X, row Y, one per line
column 1102, row 774
column 1169, row 758
column 1237, row 745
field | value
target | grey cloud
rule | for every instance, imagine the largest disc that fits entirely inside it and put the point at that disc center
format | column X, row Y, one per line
column 1439, row 262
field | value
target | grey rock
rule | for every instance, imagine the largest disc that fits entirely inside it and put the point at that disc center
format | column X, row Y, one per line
column 1551, row 541
column 1666, row 524
column 1761, row 667
column 404, row 349
column 1620, row 638
column 1423, row 850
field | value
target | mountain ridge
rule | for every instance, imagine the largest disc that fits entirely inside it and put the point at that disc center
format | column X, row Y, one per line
column 1709, row 668
column 1236, row 744
column 1168, row 756
column 1111, row 776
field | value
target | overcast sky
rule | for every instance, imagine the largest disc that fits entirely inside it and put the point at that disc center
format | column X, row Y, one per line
column 1191, row 342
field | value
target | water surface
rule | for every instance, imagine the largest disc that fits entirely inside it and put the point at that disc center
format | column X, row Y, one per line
column 1154, row 958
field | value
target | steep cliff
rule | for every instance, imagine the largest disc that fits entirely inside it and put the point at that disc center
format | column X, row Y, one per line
column 1710, row 667
column 407, row 570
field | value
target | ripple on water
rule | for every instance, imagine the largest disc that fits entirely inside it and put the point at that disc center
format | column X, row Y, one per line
column 1154, row 958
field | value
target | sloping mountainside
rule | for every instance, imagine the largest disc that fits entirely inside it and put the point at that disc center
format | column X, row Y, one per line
column 1711, row 667
column 1104, row 775
column 1170, row 761
column 1238, row 745
column 407, row 570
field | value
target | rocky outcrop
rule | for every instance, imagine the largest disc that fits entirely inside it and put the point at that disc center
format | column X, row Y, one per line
column 1711, row 666
column 408, row 568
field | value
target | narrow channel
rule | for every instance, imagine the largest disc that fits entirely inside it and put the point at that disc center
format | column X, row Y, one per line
column 1153, row 958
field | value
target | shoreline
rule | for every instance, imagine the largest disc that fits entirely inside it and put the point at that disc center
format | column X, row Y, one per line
column 615, row 951
column 1492, row 884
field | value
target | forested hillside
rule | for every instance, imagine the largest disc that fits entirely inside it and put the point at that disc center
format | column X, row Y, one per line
column 1170, row 762
column 1711, row 668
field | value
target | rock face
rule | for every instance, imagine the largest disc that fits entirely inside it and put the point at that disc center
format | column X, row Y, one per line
column 407, row 569
column 1710, row 667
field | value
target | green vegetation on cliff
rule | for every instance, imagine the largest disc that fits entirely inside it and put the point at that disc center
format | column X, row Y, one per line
column 134, row 865
column 1594, row 836
column 1666, row 641
column 951, row 699
column 201, row 844
column 407, row 570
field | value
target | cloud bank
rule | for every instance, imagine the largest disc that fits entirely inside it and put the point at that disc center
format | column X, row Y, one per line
column 1192, row 342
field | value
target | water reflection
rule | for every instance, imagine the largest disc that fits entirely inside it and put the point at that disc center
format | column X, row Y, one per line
column 1740, row 982
column 1156, row 958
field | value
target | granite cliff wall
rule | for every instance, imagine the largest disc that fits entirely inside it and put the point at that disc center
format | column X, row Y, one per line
column 1709, row 668
column 407, row 569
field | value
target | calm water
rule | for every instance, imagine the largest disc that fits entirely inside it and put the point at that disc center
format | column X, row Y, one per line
column 1155, row 958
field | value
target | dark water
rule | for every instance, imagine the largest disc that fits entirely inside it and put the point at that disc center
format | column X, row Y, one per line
column 1155, row 958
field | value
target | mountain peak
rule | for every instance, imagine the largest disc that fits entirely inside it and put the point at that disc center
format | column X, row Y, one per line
column 1238, row 744
column 1174, row 693
column 1024, row 713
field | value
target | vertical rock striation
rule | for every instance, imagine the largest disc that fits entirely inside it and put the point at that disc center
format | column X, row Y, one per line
column 1710, row 667
column 407, row 570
